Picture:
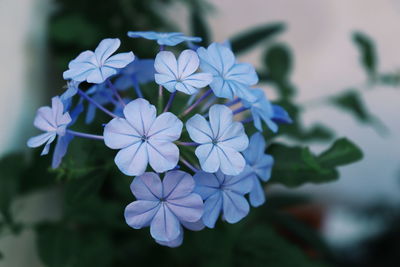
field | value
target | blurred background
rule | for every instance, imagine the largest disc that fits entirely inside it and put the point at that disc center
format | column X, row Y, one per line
column 356, row 215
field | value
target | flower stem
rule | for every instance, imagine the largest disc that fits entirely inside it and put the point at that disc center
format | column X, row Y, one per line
column 187, row 143
column 239, row 110
column 198, row 101
column 187, row 164
column 85, row 135
column 170, row 100
column 92, row 101
column 232, row 102
column 137, row 87
column 121, row 101
column 160, row 102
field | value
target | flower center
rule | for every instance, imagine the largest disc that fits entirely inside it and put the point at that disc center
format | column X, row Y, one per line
column 214, row 141
column 144, row 138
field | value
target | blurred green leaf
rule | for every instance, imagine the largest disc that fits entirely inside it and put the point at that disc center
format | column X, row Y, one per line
column 78, row 189
column 368, row 56
column 351, row 102
column 278, row 61
column 199, row 25
column 246, row 40
column 1, row 256
column 342, row 152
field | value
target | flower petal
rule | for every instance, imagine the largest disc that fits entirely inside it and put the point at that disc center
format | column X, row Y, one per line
column 185, row 88
column 212, row 209
column 241, row 183
column 165, row 226
column 166, row 127
column 206, row 184
column 44, row 120
column 139, row 214
column 256, row 148
column 220, row 119
column 188, row 63
column 61, row 149
column 166, row 63
column 140, row 114
column 106, row 48
column 235, row 137
column 198, row 80
column 235, row 206
column 174, row 243
column 133, row 159
column 177, row 184
column 257, row 194
column 188, row 208
column 199, row 129
column 163, row 156
column 39, row 140
column 194, row 226
column 118, row 133
column 147, row 186
column 243, row 73
column 263, row 167
column 120, row 60
column 209, row 157
column 231, row 161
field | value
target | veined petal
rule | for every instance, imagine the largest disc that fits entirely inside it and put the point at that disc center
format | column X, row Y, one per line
column 118, row 133
column 194, row 226
column 165, row 226
column 231, row 161
column 221, row 87
column 209, row 157
column 241, row 183
column 234, row 137
column 44, row 120
column 188, row 208
column 212, row 209
column 140, row 114
column 263, row 167
column 257, row 194
column 166, row 127
column 177, row 184
column 243, row 73
column 199, row 129
column 163, row 156
column 61, row 149
column 139, row 214
column 133, row 159
column 206, row 184
column 256, row 148
column 166, row 63
column 174, row 243
column 222, row 57
column 120, row 60
column 147, row 186
column 198, row 80
column 41, row 139
column 188, row 63
column 185, row 88
column 220, row 119
column 235, row 206
column 106, row 48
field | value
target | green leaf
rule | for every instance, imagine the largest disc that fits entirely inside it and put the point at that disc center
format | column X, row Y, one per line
column 278, row 61
column 342, row 152
column 368, row 56
column 351, row 102
column 78, row 189
column 245, row 41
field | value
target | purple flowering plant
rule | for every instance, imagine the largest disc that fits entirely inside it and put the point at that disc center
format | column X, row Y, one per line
column 191, row 162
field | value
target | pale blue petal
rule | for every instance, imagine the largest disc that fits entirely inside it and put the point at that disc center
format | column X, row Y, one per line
column 44, row 120
column 206, row 184
column 223, row 58
column 147, row 35
column 220, row 119
column 255, row 149
column 140, row 114
column 199, row 129
column 188, row 208
column 209, row 157
column 139, row 214
column 177, row 184
column 198, row 80
column 166, row 63
column 194, row 226
column 147, row 186
column 257, row 194
column 235, row 206
column 241, row 183
column 188, row 63
column 165, row 226
column 163, row 156
column 243, row 73
column 263, row 167
column 231, row 162
column 46, row 148
column 185, row 88
column 235, row 137
column 174, row 243
column 166, row 127
column 41, row 139
column 212, row 209
column 120, row 60
column 118, row 133
column 106, row 48
column 133, row 159
column 280, row 115
column 61, row 149
column 221, row 88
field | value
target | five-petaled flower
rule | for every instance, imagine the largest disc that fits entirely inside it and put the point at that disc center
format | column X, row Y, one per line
column 179, row 75
column 97, row 66
column 220, row 140
column 230, row 78
column 164, row 206
column 260, row 167
column 224, row 193
column 165, row 38
column 144, row 138
column 53, row 121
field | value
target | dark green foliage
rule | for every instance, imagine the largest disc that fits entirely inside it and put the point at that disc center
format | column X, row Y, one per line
column 198, row 23
column 350, row 101
column 278, row 61
column 295, row 166
column 368, row 56
column 244, row 41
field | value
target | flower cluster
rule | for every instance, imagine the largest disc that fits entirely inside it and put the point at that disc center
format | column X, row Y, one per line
column 209, row 166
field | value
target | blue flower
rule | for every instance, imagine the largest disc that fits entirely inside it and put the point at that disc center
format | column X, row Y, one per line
column 178, row 75
column 144, row 138
column 97, row 66
column 220, row 140
column 223, row 193
column 260, row 166
column 165, row 38
column 139, row 71
column 262, row 110
column 230, row 78
column 53, row 121
column 164, row 206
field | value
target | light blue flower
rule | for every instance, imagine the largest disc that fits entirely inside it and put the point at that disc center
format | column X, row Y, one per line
column 262, row 110
column 260, row 167
column 139, row 71
column 179, row 75
column 97, row 66
column 230, row 78
column 220, row 140
column 53, row 121
column 165, row 38
column 144, row 138
column 164, row 206
column 223, row 193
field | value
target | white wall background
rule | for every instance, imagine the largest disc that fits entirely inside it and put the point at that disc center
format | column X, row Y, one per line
column 326, row 61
